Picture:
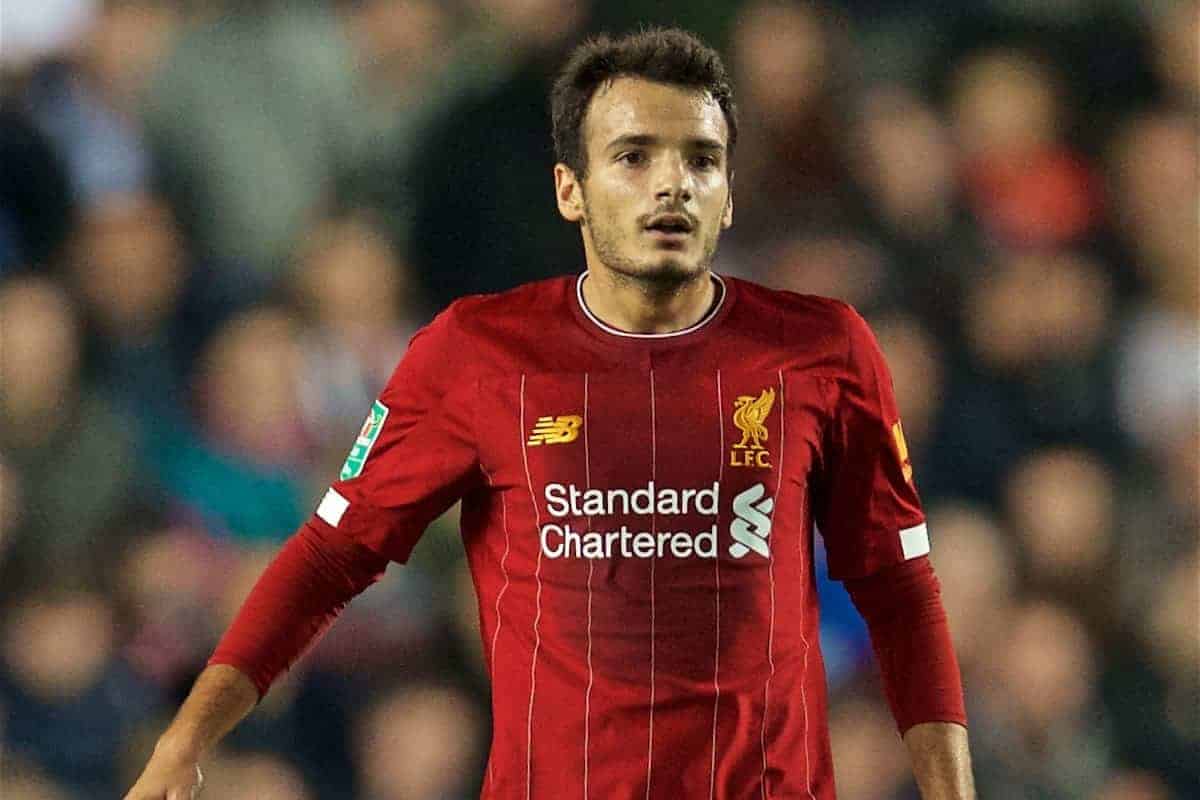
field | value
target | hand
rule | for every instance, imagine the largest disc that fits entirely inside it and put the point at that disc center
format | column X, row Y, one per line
column 168, row 777
column 220, row 698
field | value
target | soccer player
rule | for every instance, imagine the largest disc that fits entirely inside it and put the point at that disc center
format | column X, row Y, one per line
column 644, row 453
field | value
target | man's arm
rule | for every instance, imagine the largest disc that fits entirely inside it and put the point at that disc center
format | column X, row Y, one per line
column 941, row 760
column 911, row 638
column 297, row 597
column 221, row 697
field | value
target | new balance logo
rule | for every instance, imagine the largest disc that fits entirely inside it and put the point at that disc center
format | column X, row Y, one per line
column 753, row 524
column 555, row 430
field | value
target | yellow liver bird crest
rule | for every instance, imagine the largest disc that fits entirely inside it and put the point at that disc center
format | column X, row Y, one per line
column 749, row 415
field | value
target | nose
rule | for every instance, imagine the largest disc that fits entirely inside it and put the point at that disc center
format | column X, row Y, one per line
column 673, row 181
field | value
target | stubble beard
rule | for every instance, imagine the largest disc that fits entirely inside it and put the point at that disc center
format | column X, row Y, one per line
column 664, row 275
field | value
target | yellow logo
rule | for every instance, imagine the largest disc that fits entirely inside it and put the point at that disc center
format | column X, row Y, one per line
column 555, row 430
column 902, row 451
column 749, row 415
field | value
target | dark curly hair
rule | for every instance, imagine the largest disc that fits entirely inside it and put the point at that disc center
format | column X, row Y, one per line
column 663, row 55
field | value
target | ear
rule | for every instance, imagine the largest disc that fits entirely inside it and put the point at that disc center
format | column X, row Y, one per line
column 568, row 192
column 727, row 217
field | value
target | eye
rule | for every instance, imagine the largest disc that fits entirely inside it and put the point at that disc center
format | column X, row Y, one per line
column 633, row 157
column 704, row 162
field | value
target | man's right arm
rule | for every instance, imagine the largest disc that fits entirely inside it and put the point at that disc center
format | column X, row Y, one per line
column 221, row 697
column 297, row 597
column 386, row 495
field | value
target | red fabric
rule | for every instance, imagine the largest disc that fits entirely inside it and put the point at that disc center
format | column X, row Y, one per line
column 903, row 609
column 866, row 493
column 638, row 515
column 298, row 596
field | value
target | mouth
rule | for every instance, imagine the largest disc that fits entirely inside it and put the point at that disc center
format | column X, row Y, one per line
column 669, row 228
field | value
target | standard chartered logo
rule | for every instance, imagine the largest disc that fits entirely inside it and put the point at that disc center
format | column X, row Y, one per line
column 752, row 525
column 559, row 539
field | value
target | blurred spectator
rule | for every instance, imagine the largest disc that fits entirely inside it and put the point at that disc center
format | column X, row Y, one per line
column 253, row 119
column 1040, row 370
column 18, row 782
column 250, row 373
column 1028, row 186
column 34, row 31
column 485, row 218
column 72, row 456
column 254, row 776
column 903, row 159
column 87, row 102
column 1036, row 310
column 790, row 172
column 358, row 299
column 398, row 47
column 977, row 571
column 269, row 113
column 409, row 66
column 1154, row 162
column 167, row 585
column 1042, row 733
column 128, row 268
column 915, row 360
column 1177, row 49
column 1061, row 508
column 1132, row 786
column 420, row 742
column 1153, row 685
column 849, row 269
column 36, row 205
column 239, row 467
column 70, row 700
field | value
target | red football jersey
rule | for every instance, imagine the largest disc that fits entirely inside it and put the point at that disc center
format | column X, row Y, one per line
column 638, row 514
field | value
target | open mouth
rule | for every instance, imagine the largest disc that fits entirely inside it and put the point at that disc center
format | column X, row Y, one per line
column 669, row 227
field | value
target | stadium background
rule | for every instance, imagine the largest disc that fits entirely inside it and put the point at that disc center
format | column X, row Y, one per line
column 220, row 222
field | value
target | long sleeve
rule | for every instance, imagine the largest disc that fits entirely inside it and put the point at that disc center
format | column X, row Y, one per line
column 903, row 609
column 312, row 578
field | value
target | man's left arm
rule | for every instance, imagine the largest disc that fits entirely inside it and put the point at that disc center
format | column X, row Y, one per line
column 911, row 638
column 941, row 759
column 867, row 509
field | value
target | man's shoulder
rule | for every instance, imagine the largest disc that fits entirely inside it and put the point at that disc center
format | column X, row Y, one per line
column 492, row 328
column 794, row 313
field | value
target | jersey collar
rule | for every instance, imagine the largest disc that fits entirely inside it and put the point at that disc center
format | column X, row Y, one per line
column 713, row 313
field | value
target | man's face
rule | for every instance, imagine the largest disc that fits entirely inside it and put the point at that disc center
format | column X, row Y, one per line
column 657, row 192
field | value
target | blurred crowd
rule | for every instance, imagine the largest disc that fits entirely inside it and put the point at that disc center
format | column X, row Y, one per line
column 220, row 223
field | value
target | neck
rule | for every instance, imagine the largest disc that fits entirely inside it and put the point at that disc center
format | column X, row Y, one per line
column 637, row 306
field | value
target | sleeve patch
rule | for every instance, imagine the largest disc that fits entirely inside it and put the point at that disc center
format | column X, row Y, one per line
column 365, row 441
column 332, row 507
column 914, row 541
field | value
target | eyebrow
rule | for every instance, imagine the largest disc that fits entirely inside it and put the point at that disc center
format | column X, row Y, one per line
column 649, row 140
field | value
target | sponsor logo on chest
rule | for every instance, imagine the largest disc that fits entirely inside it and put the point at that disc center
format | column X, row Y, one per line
column 749, row 530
